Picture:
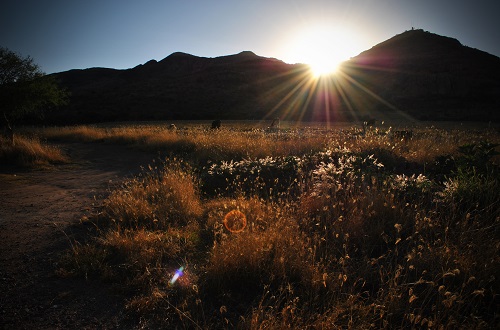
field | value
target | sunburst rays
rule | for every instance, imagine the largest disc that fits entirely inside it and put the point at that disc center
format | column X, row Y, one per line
column 347, row 95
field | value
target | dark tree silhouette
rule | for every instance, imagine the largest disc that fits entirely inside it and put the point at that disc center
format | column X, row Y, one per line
column 24, row 90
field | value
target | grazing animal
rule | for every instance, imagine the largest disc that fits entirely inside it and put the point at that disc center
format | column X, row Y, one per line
column 216, row 124
column 275, row 123
column 274, row 127
column 370, row 122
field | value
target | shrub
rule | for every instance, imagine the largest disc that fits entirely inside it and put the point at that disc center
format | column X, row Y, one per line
column 29, row 152
column 477, row 156
column 242, row 265
column 333, row 239
column 265, row 177
column 157, row 199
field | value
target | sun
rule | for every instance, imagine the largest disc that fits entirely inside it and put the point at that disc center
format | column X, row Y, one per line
column 323, row 48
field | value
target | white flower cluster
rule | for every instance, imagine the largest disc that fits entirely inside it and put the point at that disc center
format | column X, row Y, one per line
column 404, row 183
column 253, row 166
column 449, row 191
column 339, row 173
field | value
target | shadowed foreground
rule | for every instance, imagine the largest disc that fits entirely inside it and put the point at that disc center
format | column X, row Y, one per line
column 40, row 212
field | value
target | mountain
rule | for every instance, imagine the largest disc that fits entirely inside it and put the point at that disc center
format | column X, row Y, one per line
column 414, row 75
column 431, row 77
column 181, row 86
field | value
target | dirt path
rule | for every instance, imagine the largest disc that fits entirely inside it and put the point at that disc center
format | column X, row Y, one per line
column 38, row 213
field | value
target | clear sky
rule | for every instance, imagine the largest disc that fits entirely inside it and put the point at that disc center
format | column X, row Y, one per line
column 76, row 34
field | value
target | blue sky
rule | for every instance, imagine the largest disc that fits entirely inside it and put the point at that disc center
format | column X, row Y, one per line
column 75, row 34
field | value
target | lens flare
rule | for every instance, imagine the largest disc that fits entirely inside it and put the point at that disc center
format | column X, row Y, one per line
column 235, row 221
column 178, row 273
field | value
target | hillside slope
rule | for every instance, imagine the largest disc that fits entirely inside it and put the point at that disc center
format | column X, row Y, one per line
column 431, row 77
column 415, row 75
column 181, row 86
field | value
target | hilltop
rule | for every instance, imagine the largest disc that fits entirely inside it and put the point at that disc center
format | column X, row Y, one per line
column 433, row 77
column 181, row 86
column 416, row 75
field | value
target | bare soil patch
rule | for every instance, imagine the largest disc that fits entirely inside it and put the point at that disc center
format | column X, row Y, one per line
column 40, row 214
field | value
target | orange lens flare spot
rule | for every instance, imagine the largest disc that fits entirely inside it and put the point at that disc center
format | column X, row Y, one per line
column 235, row 221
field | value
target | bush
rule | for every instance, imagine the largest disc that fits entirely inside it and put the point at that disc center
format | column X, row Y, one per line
column 242, row 265
column 333, row 238
column 157, row 199
column 29, row 152
column 265, row 177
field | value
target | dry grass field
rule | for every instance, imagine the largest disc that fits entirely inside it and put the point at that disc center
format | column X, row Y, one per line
column 336, row 227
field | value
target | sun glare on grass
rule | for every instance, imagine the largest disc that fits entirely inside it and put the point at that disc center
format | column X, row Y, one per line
column 323, row 48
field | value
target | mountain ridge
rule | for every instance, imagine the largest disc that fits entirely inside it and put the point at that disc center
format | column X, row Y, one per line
column 419, row 69
column 416, row 73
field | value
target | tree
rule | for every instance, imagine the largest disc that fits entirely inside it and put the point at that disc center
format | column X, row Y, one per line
column 24, row 90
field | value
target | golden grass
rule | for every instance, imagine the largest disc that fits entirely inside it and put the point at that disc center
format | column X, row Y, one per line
column 200, row 143
column 74, row 134
column 357, row 246
column 158, row 199
column 29, row 152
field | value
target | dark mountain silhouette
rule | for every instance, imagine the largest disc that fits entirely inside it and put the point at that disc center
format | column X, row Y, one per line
column 414, row 75
column 431, row 77
column 181, row 86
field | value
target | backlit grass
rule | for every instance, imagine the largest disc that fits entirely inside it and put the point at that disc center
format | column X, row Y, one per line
column 343, row 230
column 28, row 152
